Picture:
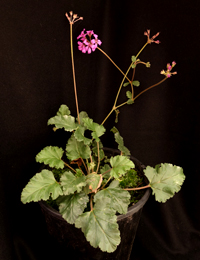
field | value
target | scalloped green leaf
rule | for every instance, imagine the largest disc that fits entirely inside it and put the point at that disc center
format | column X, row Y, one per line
column 120, row 141
column 41, row 187
column 73, row 205
column 120, row 165
column 51, row 155
column 76, row 149
column 97, row 130
column 63, row 121
column 116, row 198
column 70, row 183
column 94, row 181
column 165, row 180
column 63, row 110
column 100, row 227
column 79, row 135
column 82, row 115
column 105, row 171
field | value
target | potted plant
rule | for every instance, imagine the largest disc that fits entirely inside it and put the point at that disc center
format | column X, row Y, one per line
column 87, row 183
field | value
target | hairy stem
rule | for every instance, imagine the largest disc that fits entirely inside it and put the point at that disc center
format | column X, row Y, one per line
column 113, row 63
column 69, row 167
column 139, row 188
column 98, row 157
column 91, row 204
column 119, row 90
column 106, row 182
column 84, row 165
column 73, row 71
column 149, row 88
column 142, row 92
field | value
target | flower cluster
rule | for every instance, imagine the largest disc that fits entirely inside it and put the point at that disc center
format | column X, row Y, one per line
column 168, row 72
column 88, row 41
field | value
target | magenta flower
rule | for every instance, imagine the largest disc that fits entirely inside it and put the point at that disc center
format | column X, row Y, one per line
column 168, row 72
column 88, row 41
column 150, row 40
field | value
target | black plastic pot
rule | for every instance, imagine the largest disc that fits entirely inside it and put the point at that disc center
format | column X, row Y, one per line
column 74, row 240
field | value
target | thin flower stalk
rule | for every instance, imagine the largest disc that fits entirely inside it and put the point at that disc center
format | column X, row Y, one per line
column 113, row 63
column 119, row 90
column 72, row 19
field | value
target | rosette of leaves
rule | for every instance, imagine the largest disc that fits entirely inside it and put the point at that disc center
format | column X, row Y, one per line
column 85, row 184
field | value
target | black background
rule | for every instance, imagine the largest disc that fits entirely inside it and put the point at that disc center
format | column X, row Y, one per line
column 162, row 125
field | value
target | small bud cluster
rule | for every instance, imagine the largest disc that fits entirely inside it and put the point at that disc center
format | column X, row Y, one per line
column 168, row 72
column 150, row 40
column 72, row 18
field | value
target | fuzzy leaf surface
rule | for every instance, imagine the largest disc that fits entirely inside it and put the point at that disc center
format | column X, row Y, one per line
column 79, row 135
column 100, row 227
column 165, row 180
column 40, row 187
column 128, row 94
column 82, row 115
column 71, row 206
column 116, row 198
column 94, row 181
column 105, row 171
column 70, row 183
column 76, row 149
column 120, row 141
column 97, row 130
column 51, row 155
column 63, row 110
column 63, row 121
column 120, row 165
column 136, row 83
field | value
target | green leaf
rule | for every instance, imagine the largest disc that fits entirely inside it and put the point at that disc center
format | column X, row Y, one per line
column 71, row 206
column 82, row 115
column 63, row 121
column 100, row 227
column 76, row 149
column 51, row 155
column 97, row 130
column 40, row 187
column 133, row 66
column 79, row 135
column 130, row 101
column 105, row 170
column 126, row 84
column 94, row 181
column 136, row 83
column 133, row 58
column 116, row 198
column 165, row 180
column 128, row 94
column 70, row 183
column 120, row 165
column 63, row 110
column 119, row 139
column 116, row 115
